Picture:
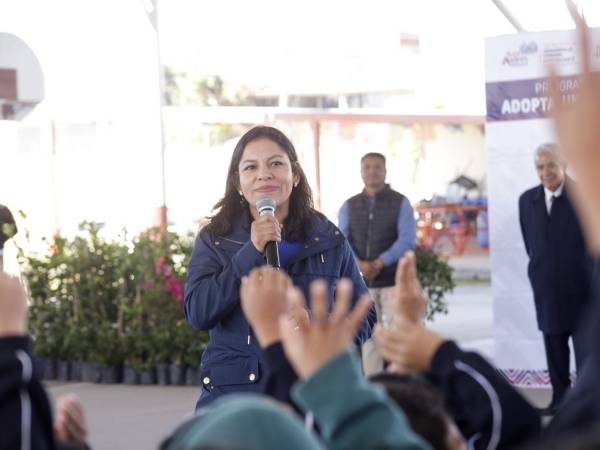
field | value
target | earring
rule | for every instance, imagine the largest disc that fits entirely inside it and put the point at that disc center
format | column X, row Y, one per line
column 296, row 184
column 241, row 194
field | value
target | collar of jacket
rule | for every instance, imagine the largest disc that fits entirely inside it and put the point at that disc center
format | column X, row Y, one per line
column 322, row 236
column 386, row 188
column 540, row 194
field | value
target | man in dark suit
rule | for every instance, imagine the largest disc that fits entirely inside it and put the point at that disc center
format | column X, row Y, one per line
column 559, row 268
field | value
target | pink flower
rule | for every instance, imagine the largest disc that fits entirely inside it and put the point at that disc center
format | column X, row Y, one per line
column 172, row 284
column 174, row 287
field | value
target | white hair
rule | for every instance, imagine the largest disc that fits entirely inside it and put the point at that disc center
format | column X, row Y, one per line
column 548, row 147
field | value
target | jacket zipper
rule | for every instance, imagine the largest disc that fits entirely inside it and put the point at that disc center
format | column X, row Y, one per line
column 232, row 240
column 369, row 231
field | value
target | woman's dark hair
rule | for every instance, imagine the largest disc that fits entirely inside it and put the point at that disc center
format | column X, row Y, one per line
column 232, row 206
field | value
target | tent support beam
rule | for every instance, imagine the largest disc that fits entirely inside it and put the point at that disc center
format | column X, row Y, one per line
column 509, row 15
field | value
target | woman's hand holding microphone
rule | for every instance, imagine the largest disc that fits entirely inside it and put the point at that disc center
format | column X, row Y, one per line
column 265, row 229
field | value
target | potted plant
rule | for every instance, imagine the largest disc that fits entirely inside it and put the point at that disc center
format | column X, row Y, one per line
column 99, row 272
column 46, row 278
column 109, row 352
column 182, row 336
column 77, row 345
column 192, row 360
column 98, row 304
column 435, row 275
column 47, row 334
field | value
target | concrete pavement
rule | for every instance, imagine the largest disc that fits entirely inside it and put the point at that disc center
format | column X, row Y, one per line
column 122, row 417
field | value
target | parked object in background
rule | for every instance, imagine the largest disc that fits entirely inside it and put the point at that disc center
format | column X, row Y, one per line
column 459, row 222
column 461, row 189
column 483, row 235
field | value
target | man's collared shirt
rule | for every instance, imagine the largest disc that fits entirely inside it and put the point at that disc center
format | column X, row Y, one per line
column 550, row 196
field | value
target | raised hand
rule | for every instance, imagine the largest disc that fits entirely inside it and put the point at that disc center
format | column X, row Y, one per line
column 311, row 345
column 13, row 307
column 578, row 132
column 298, row 316
column 263, row 299
column 407, row 296
column 409, row 348
column 70, row 425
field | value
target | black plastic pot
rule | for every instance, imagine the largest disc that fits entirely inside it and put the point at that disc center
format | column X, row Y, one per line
column 111, row 375
column 148, row 376
column 63, row 370
column 162, row 374
column 48, row 367
column 75, row 371
column 130, row 375
column 90, row 372
column 177, row 374
column 192, row 376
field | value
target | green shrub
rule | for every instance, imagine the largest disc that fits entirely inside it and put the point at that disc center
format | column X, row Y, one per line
column 108, row 302
column 435, row 275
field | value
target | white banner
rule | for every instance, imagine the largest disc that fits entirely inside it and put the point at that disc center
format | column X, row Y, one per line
column 517, row 123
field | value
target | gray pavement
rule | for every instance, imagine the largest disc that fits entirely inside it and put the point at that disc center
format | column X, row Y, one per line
column 471, row 266
column 122, row 417
column 139, row 417
column 470, row 319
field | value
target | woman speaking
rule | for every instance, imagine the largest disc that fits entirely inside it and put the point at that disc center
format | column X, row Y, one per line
column 263, row 165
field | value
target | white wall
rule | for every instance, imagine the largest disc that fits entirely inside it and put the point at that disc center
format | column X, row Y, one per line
column 100, row 65
column 15, row 54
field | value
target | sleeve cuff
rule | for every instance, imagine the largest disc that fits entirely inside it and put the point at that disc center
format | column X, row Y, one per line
column 320, row 391
column 444, row 357
column 15, row 343
column 246, row 259
column 387, row 259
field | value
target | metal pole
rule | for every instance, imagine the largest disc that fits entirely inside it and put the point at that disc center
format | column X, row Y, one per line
column 151, row 7
column 53, row 180
column 316, row 129
column 509, row 16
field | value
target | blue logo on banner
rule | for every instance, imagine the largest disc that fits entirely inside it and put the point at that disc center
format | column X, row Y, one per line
column 520, row 58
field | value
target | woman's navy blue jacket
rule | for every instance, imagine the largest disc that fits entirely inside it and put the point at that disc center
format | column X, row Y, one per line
column 232, row 361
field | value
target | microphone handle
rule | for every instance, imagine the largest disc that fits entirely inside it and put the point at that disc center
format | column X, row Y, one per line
column 272, row 254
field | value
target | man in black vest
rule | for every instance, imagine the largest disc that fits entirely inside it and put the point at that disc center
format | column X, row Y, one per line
column 380, row 226
column 559, row 269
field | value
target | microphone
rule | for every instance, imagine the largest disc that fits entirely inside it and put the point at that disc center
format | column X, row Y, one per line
column 266, row 207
